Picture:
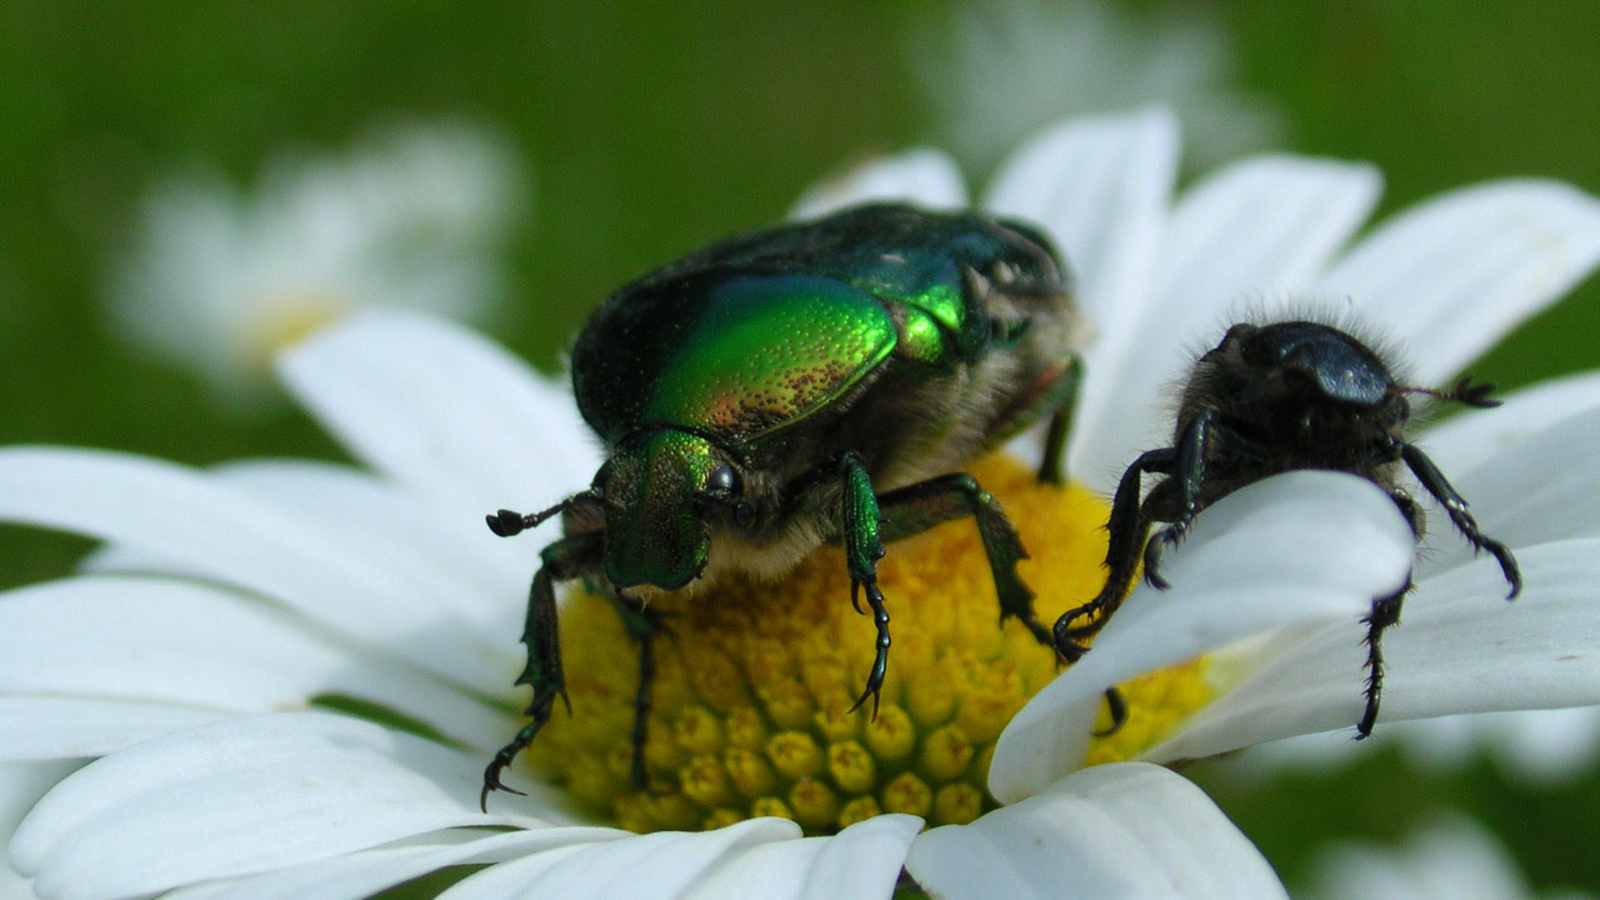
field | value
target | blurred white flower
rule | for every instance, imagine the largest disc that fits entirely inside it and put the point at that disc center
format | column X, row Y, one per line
column 1448, row 859
column 219, row 279
column 994, row 73
column 1546, row 746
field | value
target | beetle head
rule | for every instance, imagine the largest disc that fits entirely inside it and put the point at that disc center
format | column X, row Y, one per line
column 1334, row 364
column 656, row 487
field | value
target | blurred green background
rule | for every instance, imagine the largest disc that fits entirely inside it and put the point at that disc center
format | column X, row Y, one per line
column 652, row 128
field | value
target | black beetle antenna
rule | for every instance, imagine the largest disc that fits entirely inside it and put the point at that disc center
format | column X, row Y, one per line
column 507, row 523
column 1464, row 392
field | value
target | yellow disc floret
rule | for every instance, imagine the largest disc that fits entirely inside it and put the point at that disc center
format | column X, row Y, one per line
column 751, row 700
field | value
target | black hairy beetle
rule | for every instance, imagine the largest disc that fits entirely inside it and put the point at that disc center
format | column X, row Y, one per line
column 1268, row 399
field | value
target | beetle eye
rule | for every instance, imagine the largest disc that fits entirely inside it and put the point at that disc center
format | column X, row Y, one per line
column 724, row 481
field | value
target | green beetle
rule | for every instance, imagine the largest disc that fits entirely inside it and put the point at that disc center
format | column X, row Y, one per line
column 820, row 382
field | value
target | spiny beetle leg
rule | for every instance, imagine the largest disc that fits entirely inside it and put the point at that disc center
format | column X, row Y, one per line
column 918, row 507
column 642, row 624
column 859, row 523
column 880, row 661
column 1118, row 707
column 1128, row 525
column 1384, row 615
column 1062, row 396
column 565, row 559
column 1189, row 471
column 1456, row 506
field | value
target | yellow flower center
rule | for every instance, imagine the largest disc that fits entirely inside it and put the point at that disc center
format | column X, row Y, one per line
column 285, row 321
column 754, row 682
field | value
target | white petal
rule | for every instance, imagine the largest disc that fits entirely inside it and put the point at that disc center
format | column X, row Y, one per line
column 1474, row 437
column 663, row 864
column 200, row 648
column 1461, row 648
column 366, row 872
column 1451, row 276
column 1546, row 489
column 1253, row 230
column 443, row 409
column 221, row 533
column 1294, row 548
column 444, row 551
column 21, row 785
column 44, row 728
column 863, row 860
column 1101, row 187
column 245, row 796
column 923, row 176
column 1120, row 830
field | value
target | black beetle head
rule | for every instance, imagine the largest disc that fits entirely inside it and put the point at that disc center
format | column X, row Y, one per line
column 1340, row 367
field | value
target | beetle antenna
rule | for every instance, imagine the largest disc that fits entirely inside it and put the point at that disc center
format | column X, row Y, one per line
column 507, row 523
column 1464, row 392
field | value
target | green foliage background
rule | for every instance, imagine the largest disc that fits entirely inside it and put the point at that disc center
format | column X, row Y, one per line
column 652, row 128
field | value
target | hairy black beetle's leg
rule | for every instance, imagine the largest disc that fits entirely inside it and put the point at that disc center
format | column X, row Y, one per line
column 859, row 523
column 1384, row 615
column 1118, row 707
column 1128, row 525
column 1456, row 506
column 642, row 624
column 563, row 560
column 1190, row 474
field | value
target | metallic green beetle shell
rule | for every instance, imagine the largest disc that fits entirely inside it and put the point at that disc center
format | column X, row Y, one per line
column 747, row 336
column 774, row 350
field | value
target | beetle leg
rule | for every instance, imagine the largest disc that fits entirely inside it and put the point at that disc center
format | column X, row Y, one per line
column 859, row 530
column 1384, row 615
column 1128, row 525
column 916, row 508
column 563, row 560
column 1190, row 473
column 1456, row 506
column 1117, row 705
column 1051, row 470
column 642, row 624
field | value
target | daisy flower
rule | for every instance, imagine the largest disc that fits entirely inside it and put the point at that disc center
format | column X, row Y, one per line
column 1447, row 859
column 994, row 73
column 207, row 653
column 220, row 279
